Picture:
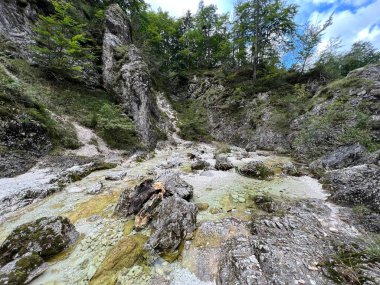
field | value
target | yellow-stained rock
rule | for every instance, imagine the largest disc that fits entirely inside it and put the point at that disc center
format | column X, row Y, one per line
column 127, row 252
column 94, row 206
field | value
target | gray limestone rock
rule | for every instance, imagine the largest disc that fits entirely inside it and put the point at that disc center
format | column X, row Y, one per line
column 173, row 222
column 357, row 185
column 223, row 163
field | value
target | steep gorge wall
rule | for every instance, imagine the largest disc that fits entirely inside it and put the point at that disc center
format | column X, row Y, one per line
column 16, row 23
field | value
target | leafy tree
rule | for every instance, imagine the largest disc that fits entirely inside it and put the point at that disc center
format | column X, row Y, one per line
column 361, row 54
column 309, row 39
column 265, row 25
column 61, row 42
column 330, row 60
column 161, row 38
column 133, row 8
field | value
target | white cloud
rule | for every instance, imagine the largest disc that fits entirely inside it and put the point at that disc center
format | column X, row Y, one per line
column 352, row 25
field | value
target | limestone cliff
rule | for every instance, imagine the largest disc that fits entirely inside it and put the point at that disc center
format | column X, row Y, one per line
column 126, row 74
column 16, row 22
column 292, row 118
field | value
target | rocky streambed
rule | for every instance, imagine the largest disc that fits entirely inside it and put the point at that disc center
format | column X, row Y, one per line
column 241, row 230
column 185, row 213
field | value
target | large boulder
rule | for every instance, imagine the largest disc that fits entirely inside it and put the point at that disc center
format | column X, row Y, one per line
column 45, row 236
column 175, row 185
column 23, row 252
column 131, row 201
column 256, row 169
column 174, row 221
column 22, row 270
column 342, row 157
column 357, row 185
column 223, row 163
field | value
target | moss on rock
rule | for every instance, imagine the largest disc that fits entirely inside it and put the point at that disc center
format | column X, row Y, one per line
column 125, row 254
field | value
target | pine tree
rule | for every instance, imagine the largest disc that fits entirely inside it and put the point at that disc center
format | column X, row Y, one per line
column 61, row 43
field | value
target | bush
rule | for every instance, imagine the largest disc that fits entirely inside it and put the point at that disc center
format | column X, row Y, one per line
column 118, row 131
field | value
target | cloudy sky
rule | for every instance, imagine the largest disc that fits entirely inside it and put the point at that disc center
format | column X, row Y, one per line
column 353, row 19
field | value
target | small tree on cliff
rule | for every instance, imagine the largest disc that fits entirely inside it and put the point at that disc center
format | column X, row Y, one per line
column 60, row 43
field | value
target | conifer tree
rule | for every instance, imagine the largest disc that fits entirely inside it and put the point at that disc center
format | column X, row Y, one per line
column 61, row 42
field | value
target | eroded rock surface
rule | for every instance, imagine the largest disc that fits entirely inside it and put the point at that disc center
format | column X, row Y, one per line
column 358, row 185
column 342, row 157
column 132, row 201
column 287, row 249
column 223, row 163
column 25, row 249
column 127, row 75
column 174, row 221
column 175, row 185
column 256, row 169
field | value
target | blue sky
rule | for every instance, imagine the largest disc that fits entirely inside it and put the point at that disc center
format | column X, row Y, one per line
column 353, row 19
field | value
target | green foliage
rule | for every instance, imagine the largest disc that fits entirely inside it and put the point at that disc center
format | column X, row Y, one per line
column 193, row 120
column 15, row 100
column 373, row 249
column 333, row 64
column 308, row 40
column 346, row 266
column 190, row 42
column 264, row 25
column 61, row 42
column 118, row 131
column 361, row 54
column 341, row 123
column 93, row 108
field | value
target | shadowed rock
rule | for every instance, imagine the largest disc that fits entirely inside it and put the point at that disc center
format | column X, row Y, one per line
column 174, row 221
column 132, row 201
column 199, row 165
column 222, row 163
column 174, row 185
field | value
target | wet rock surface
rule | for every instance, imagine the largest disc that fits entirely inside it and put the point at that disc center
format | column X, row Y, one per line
column 46, row 178
column 26, row 248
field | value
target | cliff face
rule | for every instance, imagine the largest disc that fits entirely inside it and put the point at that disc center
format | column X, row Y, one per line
column 126, row 75
column 16, row 22
column 307, row 124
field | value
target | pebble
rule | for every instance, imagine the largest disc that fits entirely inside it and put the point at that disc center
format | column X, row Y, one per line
column 241, row 200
